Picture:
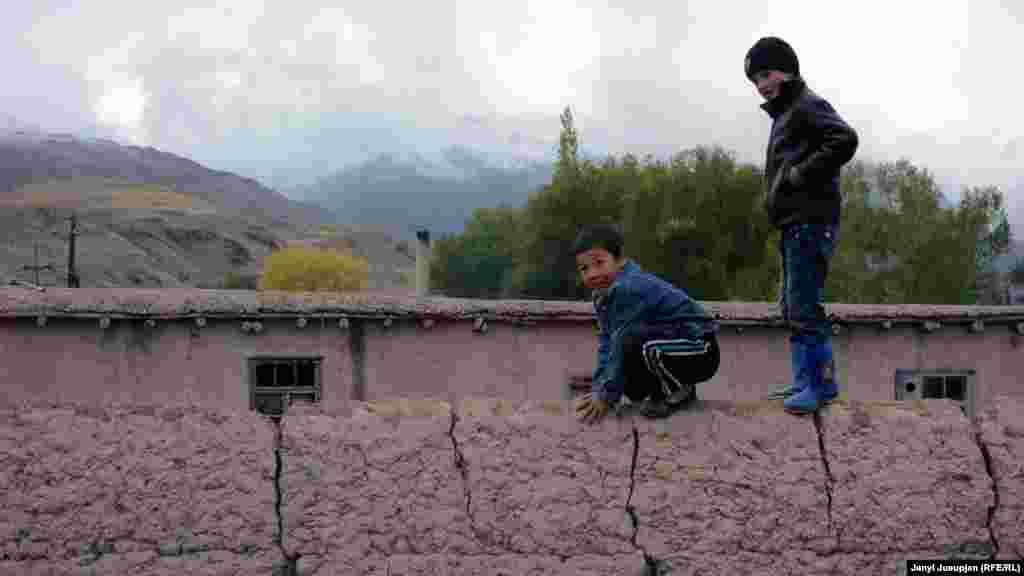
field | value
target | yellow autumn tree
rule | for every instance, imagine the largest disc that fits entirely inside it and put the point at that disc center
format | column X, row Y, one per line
column 310, row 269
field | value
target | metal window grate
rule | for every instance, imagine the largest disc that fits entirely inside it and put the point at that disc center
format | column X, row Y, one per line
column 956, row 385
column 277, row 382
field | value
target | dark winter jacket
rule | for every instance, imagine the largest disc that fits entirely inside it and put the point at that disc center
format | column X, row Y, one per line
column 638, row 297
column 807, row 136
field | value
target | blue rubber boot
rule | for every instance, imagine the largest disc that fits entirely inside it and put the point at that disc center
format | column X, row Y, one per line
column 799, row 382
column 827, row 373
column 807, row 378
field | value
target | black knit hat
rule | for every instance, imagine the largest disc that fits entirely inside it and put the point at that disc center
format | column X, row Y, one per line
column 771, row 53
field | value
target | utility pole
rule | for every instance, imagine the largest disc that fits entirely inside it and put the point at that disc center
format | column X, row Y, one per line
column 35, row 268
column 422, row 262
column 72, row 274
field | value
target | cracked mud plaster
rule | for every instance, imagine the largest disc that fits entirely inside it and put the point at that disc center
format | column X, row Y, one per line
column 409, row 488
column 134, row 489
column 542, row 484
column 1000, row 436
column 289, row 562
column 829, row 479
column 385, row 486
column 513, row 510
column 724, row 481
column 909, row 480
column 994, row 507
column 652, row 566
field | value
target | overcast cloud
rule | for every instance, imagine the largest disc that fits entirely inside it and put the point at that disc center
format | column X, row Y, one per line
column 286, row 91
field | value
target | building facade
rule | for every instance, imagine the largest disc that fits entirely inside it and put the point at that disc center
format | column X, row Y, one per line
column 264, row 350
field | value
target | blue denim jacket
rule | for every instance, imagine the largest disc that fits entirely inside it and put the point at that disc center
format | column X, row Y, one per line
column 638, row 297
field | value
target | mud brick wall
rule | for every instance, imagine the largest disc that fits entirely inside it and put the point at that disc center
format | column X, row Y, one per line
column 491, row 487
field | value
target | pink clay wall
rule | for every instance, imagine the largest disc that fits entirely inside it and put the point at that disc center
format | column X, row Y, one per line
column 451, row 360
column 489, row 487
column 75, row 359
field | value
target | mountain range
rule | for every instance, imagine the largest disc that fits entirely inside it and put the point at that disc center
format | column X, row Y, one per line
column 405, row 194
column 144, row 217
column 150, row 218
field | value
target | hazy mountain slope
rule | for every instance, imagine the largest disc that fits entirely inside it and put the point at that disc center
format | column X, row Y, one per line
column 146, row 217
column 403, row 195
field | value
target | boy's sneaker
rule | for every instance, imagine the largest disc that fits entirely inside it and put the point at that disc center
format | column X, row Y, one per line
column 657, row 409
column 683, row 396
column 661, row 408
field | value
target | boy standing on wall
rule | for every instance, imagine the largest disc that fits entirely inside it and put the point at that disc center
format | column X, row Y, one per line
column 809, row 143
column 655, row 343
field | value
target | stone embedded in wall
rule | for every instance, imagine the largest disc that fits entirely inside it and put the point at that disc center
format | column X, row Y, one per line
column 134, row 489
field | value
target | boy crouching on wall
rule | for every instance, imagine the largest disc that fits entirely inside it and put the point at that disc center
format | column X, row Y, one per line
column 655, row 342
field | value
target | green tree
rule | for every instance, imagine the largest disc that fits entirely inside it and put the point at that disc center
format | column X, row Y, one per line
column 899, row 244
column 698, row 221
column 993, row 240
column 476, row 263
column 695, row 221
column 579, row 194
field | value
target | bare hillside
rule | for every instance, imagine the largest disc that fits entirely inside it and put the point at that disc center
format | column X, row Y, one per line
column 148, row 218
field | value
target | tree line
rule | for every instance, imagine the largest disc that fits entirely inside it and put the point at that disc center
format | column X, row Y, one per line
column 697, row 220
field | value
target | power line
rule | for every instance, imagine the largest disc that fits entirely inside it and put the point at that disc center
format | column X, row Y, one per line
column 73, row 281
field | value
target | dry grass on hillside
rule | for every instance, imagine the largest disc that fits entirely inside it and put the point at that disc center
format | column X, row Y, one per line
column 41, row 199
column 150, row 197
column 92, row 193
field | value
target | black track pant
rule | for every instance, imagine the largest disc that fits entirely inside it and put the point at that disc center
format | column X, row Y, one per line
column 658, row 364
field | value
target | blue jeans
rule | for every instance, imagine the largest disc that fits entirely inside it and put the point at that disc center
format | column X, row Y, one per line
column 806, row 251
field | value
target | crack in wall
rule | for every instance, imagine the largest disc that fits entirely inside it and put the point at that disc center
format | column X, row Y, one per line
column 463, row 467
column 460, row 465
column 987, row 457
column 829, row 479
column 502, row 542
column 290, row 565
column 652, row 565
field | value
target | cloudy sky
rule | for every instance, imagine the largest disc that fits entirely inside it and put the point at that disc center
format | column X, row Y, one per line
column 286, row 91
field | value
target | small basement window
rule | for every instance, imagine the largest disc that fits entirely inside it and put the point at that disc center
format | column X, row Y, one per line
column 275, row 382
column 956, row 385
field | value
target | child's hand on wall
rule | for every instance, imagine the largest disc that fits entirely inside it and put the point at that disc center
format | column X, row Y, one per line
column 590, row 409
